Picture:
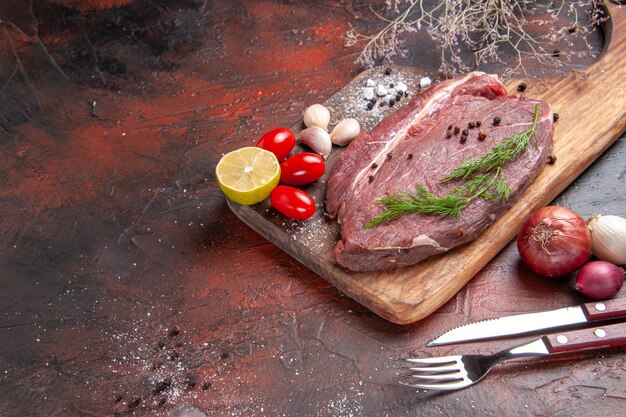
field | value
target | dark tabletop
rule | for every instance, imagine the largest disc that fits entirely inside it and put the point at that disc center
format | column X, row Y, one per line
column 129, row 288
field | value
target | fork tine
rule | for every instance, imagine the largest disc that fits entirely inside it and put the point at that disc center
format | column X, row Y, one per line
column 440, row 360
column 434, row 369
column 441, row 386
column 449, row 376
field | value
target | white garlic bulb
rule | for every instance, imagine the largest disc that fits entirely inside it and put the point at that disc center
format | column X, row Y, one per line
column 345, row 132
column 317, row 139
column 317, row 115
column 608, row 238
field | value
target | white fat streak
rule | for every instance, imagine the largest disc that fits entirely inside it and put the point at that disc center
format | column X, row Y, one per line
column 421, row 240
column 427, row 110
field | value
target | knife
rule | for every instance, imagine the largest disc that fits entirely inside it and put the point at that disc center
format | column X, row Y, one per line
column 530, row 322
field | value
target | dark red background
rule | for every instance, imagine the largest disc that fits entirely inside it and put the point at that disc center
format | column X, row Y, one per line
column 113, row 230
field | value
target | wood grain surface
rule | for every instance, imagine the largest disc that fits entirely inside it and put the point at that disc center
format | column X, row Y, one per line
column 405, row 295
column 128, row 286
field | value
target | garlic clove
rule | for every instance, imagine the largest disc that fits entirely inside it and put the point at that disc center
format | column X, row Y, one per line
column 345, row 132
column 317, row 115
column 608, row 238
column 317, row 139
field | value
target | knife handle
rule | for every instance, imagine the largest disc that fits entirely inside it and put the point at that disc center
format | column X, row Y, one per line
column 603, row 310
column 613, row 335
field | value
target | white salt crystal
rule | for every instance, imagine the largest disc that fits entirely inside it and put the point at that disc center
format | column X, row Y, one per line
column 368, row 93
column 370, row 83
column 401, row 87
column 425, row 82
column 391, row 91
column 381, row 91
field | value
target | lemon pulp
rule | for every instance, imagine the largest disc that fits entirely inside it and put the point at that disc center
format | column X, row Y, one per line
column 248, row 175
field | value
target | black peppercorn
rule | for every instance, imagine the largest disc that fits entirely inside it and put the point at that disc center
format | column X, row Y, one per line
column 448, row 134
column 551, row 159
column 370, row 105
column 471, row 125
column 450, row 127
column 391, row 85
column 522, row 87
column 496, row 120
column 409, row 156
column 465, row 132
column 392, row 102
column 387, row 71
column 555, row 116
column 374, row 165
column 463, row 139
column 398, row 97
column 478, row 123
column 456, row 130
column 370, row 178
column 388, row 156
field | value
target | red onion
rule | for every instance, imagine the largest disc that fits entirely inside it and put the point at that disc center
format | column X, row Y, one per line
column 554, row 241
column 599, row 280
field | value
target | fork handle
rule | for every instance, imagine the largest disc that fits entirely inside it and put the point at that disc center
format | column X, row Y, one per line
column 613, row 335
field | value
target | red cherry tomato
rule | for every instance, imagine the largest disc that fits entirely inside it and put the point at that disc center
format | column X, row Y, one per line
column 292, row 202
column 302, row 168
column 278, row 141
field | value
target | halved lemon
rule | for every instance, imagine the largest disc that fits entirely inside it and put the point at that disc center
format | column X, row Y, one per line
column 248, row 175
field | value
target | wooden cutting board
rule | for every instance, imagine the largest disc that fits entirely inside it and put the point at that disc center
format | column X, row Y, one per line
column 592, row 109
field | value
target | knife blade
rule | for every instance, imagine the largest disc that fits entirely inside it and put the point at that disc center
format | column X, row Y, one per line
column 530, row 322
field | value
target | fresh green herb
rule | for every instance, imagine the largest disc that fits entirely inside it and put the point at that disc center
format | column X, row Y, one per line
column 484, row 179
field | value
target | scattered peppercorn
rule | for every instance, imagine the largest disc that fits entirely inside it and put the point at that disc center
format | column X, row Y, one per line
column 174, row 332
column 392, row 102
column 382, row 104
column 555, row 116
column 456, row 130
column 551, row 159
column 463, row 139
column 157, row 363
column 374, row 165
column 162, row 385
column 389, row 156
column 448, row 134
column 190, row 382
column 406, row 94
column 521, row 87
column 370, row 178
column 391, row 85
column 206, row 385
column 387, row 71
column 134, row 402
column 370, row 105
column 409, row 156
column 496, row 120
column 450, row 127
column 465, row 132
column 471, row 125
column 478, row 123
column 556, row 53
column 482, row 135
column 398, row 97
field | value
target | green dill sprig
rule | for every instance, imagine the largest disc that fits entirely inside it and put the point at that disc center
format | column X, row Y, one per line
column 484, row 179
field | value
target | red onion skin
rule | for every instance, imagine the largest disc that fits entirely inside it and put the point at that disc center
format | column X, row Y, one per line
column 566, row 248
column 599, row 280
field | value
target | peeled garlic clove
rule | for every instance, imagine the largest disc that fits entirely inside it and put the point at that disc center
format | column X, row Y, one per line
column 317, row 115
column 317, row 139
column 345, row 132
column 608, row 238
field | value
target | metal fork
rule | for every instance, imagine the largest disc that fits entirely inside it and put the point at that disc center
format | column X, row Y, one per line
column 461, row 371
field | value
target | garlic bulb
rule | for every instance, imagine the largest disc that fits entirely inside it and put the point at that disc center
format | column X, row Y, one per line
column 317, row 139
column 317, row 115
column 608, row 238
column 345, row 132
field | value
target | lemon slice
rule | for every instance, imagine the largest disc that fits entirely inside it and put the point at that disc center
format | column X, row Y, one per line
column 248, row 175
